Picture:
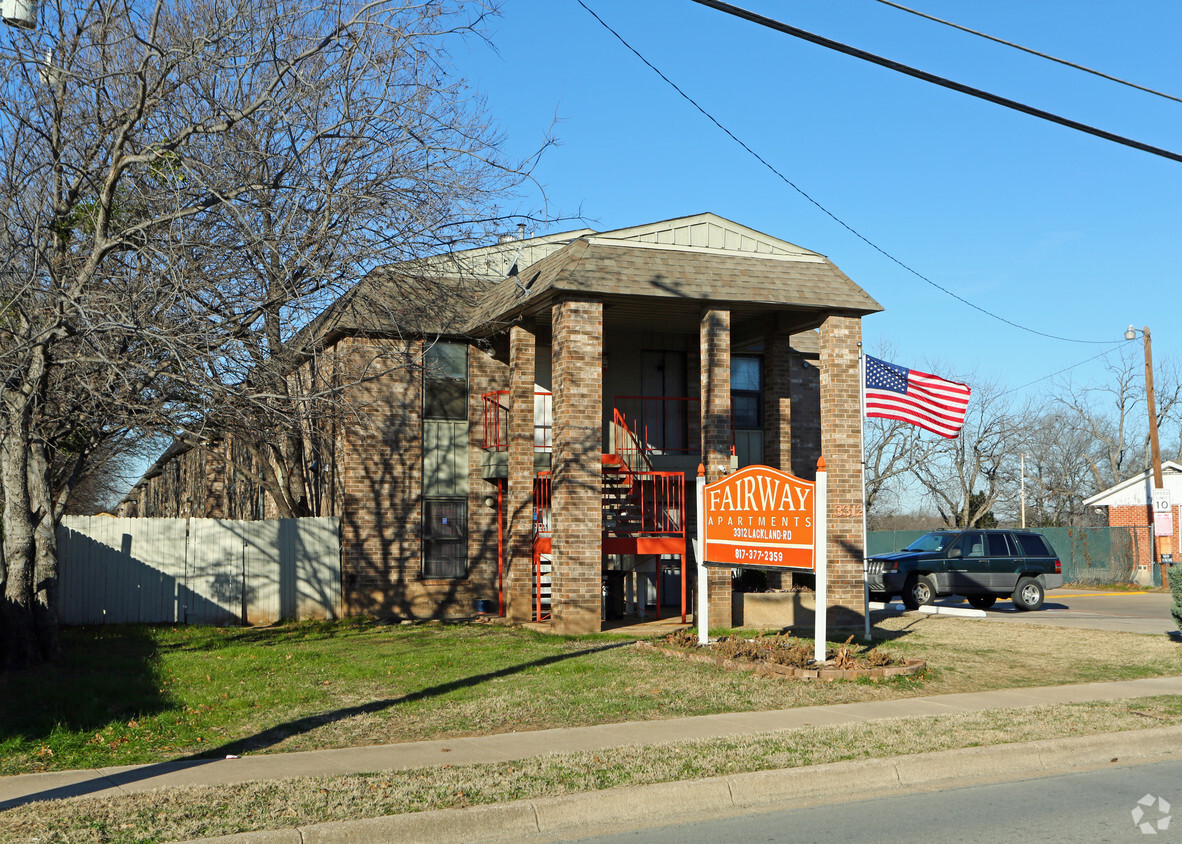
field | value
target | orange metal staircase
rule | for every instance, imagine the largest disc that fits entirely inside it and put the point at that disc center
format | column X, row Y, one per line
column 642, row 511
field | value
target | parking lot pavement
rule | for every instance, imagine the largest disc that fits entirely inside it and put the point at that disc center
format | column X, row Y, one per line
column 1135, row 612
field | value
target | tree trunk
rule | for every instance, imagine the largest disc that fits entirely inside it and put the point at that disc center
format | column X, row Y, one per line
column 45, row 579
column 19, row 624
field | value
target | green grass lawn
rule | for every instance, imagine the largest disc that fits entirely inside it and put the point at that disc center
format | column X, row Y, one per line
column 125, row 695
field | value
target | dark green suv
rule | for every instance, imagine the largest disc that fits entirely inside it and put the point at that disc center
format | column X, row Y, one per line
column 980, row 565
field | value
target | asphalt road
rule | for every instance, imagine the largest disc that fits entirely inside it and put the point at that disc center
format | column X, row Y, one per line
column 1136, row 612
column 1089, row 806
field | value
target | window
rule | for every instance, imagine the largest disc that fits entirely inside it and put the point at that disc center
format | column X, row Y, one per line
column 1033, row 545
column 445, row 537
column 973, row 545
column 445, row 460
column 930, row 542
column 998, row 546
column 747, row 391
column 445, row 381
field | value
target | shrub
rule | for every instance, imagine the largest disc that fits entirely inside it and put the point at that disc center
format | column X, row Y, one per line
column 1176, row 593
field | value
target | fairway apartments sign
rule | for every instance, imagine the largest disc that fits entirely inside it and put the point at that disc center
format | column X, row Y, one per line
column 760, row 517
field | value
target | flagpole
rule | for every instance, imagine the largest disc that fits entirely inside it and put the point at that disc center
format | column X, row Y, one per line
column 862, row 507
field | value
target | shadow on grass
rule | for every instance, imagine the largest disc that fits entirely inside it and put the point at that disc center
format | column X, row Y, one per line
column 105, row 674
column 92, row 782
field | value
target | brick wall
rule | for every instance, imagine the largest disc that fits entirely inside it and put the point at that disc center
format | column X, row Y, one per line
column 1141, row 516
column 577, row 468
column 841, row 445
column 380, row 455
column 196, row 483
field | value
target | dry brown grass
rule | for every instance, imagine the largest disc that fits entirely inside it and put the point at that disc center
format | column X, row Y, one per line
column 181, row 814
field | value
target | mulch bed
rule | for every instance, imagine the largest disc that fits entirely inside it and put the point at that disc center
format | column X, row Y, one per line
column 786, row 657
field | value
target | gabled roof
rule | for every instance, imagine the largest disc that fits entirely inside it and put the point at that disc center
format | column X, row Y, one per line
column 705, row 231
column 689, row 260
column 678, row 264
column 1136, row 491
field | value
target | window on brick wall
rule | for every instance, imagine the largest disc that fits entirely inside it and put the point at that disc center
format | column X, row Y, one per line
column 445, row 460
column 445, row 381
column 445, row 537
column 747, row 391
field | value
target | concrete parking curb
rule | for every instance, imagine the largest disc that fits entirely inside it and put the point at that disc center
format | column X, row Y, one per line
column 684, row 802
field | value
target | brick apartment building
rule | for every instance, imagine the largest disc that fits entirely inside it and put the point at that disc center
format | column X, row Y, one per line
column 537, row 451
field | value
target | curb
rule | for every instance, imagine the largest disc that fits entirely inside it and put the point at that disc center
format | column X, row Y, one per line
column 930, row 609
column 641, row 807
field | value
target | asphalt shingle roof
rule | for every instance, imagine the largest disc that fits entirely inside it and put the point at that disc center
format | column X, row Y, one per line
column 590, row 267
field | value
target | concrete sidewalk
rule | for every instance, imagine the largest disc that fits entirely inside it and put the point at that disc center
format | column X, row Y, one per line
column 18, row 790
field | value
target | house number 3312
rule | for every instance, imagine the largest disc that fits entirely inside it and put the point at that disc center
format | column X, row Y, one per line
column 847, row 510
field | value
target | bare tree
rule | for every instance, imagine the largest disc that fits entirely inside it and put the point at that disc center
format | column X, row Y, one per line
column 1112, row 413
column 1058, row 472
column 894, row 452
column 182, row 184
column 967, row 476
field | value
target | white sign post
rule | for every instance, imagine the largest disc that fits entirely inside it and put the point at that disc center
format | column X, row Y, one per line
column 699, row 555
column 821, row 518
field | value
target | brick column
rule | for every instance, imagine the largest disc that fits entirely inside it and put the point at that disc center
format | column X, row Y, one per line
column 715, row 352
column 841, row 446
column 519, row 498
column 777, row 402
column 577, row 466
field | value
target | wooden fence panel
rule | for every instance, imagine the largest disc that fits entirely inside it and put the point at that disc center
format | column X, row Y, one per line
column 215, row 573
column 198, row 571
column 120, row 571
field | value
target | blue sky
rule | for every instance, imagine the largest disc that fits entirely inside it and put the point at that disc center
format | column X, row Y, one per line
column 1050, row 228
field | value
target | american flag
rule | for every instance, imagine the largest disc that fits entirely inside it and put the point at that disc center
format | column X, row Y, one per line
column 932, row 403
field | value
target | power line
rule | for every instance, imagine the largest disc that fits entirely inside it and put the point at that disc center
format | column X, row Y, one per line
column 943, row 82
column 821, row 207
column 1047, row 56
column 1102, row 354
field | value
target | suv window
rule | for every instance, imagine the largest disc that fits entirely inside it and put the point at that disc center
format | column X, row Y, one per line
column 998, row 547
column 1033, row 545
column 973, row 545
column 931, row 542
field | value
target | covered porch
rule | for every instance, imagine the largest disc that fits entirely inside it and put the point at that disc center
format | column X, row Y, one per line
column 631, row 362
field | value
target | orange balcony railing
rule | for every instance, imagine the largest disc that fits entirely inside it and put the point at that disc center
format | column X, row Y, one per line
column 495, row 421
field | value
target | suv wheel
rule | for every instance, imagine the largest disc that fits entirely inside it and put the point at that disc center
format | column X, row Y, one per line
column 1028, row 594
column 982, row 602
column 918, row 591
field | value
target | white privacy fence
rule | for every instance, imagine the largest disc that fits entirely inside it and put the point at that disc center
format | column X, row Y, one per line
column 197, row 571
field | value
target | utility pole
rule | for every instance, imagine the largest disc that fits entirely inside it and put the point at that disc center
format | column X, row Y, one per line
column 1154, row 450
column 1023, row 489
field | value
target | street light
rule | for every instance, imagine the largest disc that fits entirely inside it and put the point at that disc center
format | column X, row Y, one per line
column 22, row 13
column 1154, row 450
